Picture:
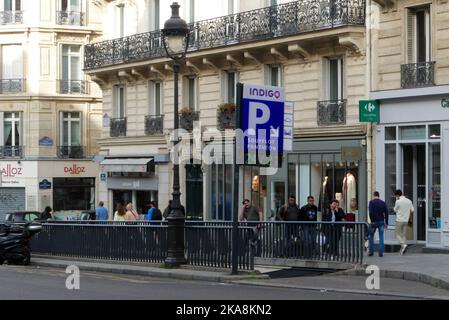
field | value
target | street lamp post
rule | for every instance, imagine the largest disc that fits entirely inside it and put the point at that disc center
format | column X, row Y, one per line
column 175, row 37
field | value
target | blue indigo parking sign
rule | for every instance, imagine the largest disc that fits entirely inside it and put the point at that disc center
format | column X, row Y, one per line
column 262, row 119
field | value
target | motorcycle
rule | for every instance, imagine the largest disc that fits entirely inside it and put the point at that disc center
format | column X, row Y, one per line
column 15, row 242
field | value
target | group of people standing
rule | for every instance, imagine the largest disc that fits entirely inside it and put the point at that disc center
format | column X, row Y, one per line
column 128, row 213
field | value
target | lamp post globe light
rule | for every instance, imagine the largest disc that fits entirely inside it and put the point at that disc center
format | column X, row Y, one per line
column 175, row 37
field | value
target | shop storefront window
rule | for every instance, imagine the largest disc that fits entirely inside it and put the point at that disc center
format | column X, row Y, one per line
column 412, row 132
column 221, row 180
column 390, row 176
column 390, row 133
column 73, row 194
column 435, row 185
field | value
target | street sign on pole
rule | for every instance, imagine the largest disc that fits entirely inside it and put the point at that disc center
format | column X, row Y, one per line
column 369, row 111
column 262, row 121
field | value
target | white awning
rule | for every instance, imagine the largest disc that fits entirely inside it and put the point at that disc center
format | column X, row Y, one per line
column 125, row 165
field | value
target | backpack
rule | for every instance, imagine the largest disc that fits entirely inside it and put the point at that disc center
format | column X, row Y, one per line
column 157, row 214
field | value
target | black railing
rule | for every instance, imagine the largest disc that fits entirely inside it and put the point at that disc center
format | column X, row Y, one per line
column 71, row 152
column 118, row 127
column 319, row 241
column 416, row 75
column 11, row 151
column 73, row 18
column 73, row 87
column 277, row 21
column 12, row 86
column 11, row 17
column 154, row 125
column 207, row 244
column 331, row 112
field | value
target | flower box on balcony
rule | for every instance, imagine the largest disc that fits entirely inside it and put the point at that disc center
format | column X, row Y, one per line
column 186, row 118
column 226, row 116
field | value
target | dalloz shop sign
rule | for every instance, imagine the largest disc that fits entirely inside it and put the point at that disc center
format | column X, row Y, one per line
column 75, row 170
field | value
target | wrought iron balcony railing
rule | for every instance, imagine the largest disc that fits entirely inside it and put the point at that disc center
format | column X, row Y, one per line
column 71, row 152
column 118, row 127
column 11, row 17
column 154, row 125
column 186, row 119
column 73, row 87
column 72, row 18
column 12, row 86
column 11, row 151
column 332, row 112
column 416, row 75
column 276, row 21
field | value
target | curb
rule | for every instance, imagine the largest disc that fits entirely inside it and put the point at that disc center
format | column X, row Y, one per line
column 181, row 274
column 351, row 291
column 403, row 275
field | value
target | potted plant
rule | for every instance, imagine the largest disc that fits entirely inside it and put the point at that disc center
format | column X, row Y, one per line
column 186, row 118
column 226, row 116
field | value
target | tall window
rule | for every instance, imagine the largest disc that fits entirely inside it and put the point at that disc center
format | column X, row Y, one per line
column 155, row 14
column 71, row 69
column 12, row 68
column 71, row 129
column 334, row 79
column 71, row 5
column 231, row 78
column 155, row 98
column 11, row 129
column 120, row 20
column 12, row 5
column 418, row 34
column 190, row 92
column 274, row 75
column 119, row 101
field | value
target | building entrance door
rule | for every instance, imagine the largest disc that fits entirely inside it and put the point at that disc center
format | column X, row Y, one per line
column 414, row 186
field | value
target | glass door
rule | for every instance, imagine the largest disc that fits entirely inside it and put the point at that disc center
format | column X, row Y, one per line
column 414, row 186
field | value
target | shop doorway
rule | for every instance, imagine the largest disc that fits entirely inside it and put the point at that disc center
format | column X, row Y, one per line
column 414, row 186
column 194, row 192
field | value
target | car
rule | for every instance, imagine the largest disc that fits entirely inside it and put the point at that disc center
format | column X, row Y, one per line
column 22, row 216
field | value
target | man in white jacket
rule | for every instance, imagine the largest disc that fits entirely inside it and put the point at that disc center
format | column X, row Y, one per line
column 404, row 210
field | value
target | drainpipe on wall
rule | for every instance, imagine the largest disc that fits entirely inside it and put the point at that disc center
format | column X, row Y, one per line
column 369, row 134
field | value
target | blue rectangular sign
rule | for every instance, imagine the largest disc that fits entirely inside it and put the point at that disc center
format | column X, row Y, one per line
column 262, row 119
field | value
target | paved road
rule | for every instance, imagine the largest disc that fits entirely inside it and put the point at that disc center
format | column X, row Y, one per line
column 47, row 283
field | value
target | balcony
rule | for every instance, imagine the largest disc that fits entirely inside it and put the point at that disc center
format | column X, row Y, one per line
column 331, row 112
column 11, row 151
column 418, row 75
column 11, row 17
column 267, row 23
column 154, row 125
column 71, row 152
column 71, row 18
column 12, row 86
column 186, row 118
column 72, row 87
column 118, row 127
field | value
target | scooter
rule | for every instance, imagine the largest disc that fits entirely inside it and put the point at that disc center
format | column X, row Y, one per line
column 15, row 242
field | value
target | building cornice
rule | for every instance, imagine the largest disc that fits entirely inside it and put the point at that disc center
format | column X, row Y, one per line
column 410, row 93
column 17, row 98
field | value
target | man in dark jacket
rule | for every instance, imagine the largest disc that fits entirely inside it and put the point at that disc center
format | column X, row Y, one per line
column 309, row 213
column 333, row 232
column 290, row 214
column 378, row 214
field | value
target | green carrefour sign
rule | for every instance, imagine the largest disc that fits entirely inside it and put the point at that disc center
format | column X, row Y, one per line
column 369, row 111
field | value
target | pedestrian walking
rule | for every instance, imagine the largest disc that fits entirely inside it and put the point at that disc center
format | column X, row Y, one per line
column 404, row 216
column 149, row 215
column 252, row 215
column 378, row 214
column 120, row 213
column 131, row 214
column 156, row 214
column 289, row 212
column 333, row 232
column 101, row 212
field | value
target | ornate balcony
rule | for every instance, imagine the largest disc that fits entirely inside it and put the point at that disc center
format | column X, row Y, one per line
column 12, row 86
column 72, row 18
column 154, row 125
column 267, row 23
column 332, row 112
column 186, row 118
column 11, row 151
column 11, row 17
column 417, row 75
column 72, row 87
column 118, row 127
column 71, row 152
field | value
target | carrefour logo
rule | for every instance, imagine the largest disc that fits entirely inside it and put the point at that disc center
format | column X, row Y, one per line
column 370, row 107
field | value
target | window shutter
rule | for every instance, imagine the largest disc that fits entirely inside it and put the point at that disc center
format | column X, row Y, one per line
column 411, row 21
